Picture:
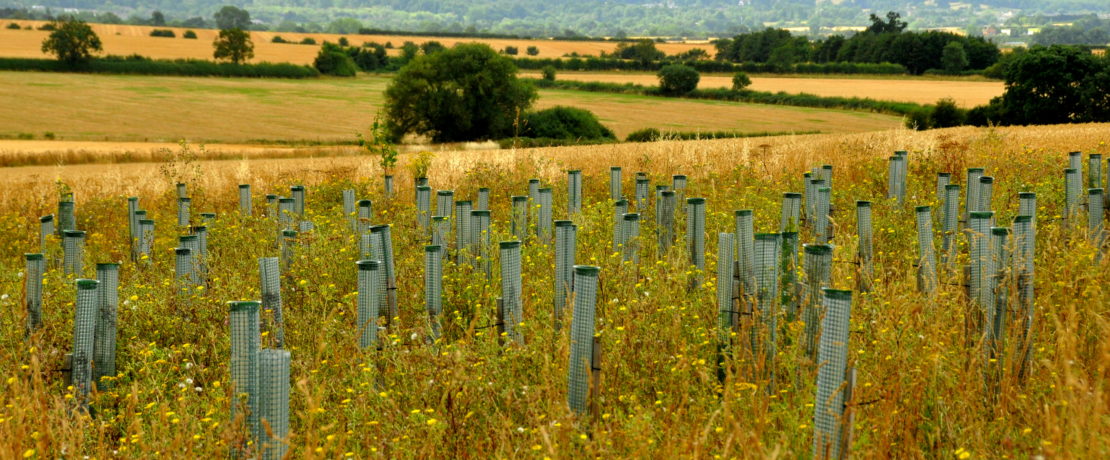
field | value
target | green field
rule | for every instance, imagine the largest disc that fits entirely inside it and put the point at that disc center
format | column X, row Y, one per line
column 145, row 108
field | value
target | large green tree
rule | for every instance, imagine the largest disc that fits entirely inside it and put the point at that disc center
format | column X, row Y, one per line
column 230, row 17
column 234, row 45
column 467, row 92
column 72, row 41
column 1048, row 85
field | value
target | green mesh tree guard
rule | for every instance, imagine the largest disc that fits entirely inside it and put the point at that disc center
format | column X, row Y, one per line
column 297, row 193
column 574, row 191
column 1094, row 171
column 183, row 205
column 184, row 268
column 207, row 218
column 104, row 349
column 288, row 245
column 511, row 290
column 388, row 185
column 1071, row 193
column 192, row 243
column 986, row 186
column 791, row 212
column 745, row 251
column 1075, row 160
column 365, row 215
column 996, row 292
column 519, row 217
column 419, row 182
column 926, row 252
column 245, row 200
column 441, row 232
column 768, row 247
column 463, row 237
column 643, row 189
column 73, row 244
column 84, row 330
column 1095, row 215
column 364, row 245
column 349, row 209
column 665, row 220
column 950, row 222
column 305, row 226
column 894, row 186
column 566, row 234
column 725, row 267
column 146, row 241
column 433, row 287
column 630, row 238
column 615, row 183
column 829, row 423
column 67, row 219
column 424, row 206
column 809, row 193
column 821, row 222
column 620, row 208
column 788, row 270
column 273, row 403
column 1023, row 267
column 543, row 222
column 32, row 291
column 582, row 337
column 201, row 253
column 46, row 228
column 481, row 240
column 369, row 299
column 444, row 200
column 483, row 199
column 695, row 232
column 659, row 189
column 246, row 341
column 978, row 243
column 678, row 183
column 826, row 174
column 383, row 251
column 865, row 253
column 818, row 269
column 287, row 210
column 269, row 275
column 133, row 226
column 972, row 200
column 943, row 180
column 182, row 190
column 1027, row 205
column 272, row 206
column 534, row 191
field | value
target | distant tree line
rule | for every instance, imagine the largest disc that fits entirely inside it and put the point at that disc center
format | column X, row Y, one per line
column 1088, row 30
column 884, row 41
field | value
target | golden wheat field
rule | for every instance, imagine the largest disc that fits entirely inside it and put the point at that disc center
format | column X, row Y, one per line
column 966, row 93
column 121, row 39
column 137, row 108
column 670, row 382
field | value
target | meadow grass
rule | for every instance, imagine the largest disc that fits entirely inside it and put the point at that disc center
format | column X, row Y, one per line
column 920, row 391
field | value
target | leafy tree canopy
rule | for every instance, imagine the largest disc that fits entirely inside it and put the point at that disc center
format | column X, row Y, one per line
column 72, row 41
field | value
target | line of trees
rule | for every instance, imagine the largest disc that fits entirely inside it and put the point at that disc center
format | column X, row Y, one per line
column 884, row 41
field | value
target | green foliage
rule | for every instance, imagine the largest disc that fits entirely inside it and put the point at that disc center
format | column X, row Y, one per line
column 919, row 118
column 677, row 79
column 334, row 60
column 73, row 42
column 511, row 50
column 278, row 39
column 946, row 114
column 189, row 34
column 380, row 144
column 714, row 66
column 230, row 17
column 13, row 26
column 420, row 165
column 409, row 50
column 1047, row 85
column 168, row 33
column 532, row 51
column 548, row 73
column 467, row 92
column 565, row 123
column 740, row 81
column 343, row 41
column 643, row 135
column 893, row 24
column 308, row 41
column 430, row 47
column 642, row 51
column 953, row 58
column 144, row 66
column 233, row 45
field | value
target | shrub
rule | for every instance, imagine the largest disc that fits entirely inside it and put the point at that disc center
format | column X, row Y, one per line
column 162, row 33
column 643, row 135
column 72, row 41
column 678, row 79
column 548, row 73
column 48, row 26
column 189, row 34
column 333, row 60
column 343, row 41
column 13, row 26
column 308, row 41
column 740, row 81
column 919, row 119
column 139, row 65
column 565, row 123
column 946, row 114
column 278, row 39
column 511, row 50
column 532, row 51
